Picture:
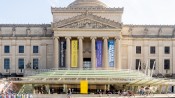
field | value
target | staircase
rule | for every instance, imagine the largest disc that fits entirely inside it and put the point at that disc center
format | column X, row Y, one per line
column 26, row 88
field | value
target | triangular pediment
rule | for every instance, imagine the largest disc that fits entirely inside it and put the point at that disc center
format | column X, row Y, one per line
column 87, row 21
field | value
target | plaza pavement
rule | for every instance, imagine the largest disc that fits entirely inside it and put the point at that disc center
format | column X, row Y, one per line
column 104, row 96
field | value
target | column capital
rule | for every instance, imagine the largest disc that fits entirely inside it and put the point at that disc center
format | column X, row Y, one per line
column 93, row 37
column 80, row 37
column 68, row 37
column 55, row 37
column 105, row 37
column 117, row 38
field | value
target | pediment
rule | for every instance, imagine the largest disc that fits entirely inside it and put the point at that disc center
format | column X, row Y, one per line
column 87, row 21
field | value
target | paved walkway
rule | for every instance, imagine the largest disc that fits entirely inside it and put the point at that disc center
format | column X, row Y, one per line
column 104, row 96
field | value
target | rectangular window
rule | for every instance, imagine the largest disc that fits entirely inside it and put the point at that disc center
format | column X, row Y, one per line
column 21, row 49
column 21, row 63
column 138, row 49
column 166, row 64
column 35, row 63
column 138, row 63
column 152, row 50
column 152, row 62
column 35, row 49
column 6, row 63
column 167, row 50
column 6, row 49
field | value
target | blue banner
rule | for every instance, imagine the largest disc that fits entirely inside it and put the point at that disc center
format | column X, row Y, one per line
column 62, row 53
column 111, row 52
column 99, row 47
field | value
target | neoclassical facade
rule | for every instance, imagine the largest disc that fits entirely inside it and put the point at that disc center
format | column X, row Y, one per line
column 86, row 34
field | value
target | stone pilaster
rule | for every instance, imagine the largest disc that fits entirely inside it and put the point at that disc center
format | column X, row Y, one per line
column 117, row 53
column 13, row 64
column 44, row 56
column 68, row 52
column 105, row 53
column 93, row 53
column 80, row 61
column 56, row 53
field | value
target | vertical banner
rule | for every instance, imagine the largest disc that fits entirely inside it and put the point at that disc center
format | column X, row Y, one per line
column 99, row 47
column 62, row 57
column 83, row 87
column 111, row 52
column 74, row 53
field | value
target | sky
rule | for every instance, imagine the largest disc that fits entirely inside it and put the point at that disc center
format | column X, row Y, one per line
column 153, row 12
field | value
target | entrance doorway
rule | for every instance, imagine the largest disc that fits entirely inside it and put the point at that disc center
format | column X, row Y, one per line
column 86, row 62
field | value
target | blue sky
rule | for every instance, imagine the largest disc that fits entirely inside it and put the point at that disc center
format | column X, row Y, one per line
column 135, row 11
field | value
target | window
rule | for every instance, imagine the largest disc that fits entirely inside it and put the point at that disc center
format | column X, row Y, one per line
column 166, row 64
column 152, row 62
column 21, row 63
column 35, row 49
column 167, row 50
column 152, row 50
column 6, row 63
column 138, row 63
column 138, row 49
column 21, row 49
column 35, row 63
column 6, row 49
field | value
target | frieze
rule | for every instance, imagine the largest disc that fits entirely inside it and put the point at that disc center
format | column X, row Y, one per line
column 87, row 20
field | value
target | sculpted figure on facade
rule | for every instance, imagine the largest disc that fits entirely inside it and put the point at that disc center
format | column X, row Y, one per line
column 13, row 31
column 28, row 31
column 44, row 31
column 173, row 33
column 159, row 31
column 145, row 31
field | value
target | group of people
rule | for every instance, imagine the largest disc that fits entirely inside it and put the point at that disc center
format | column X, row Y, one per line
column 16, row 96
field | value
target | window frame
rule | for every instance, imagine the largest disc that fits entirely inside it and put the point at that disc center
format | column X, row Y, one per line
column 151, row 66
column 6, row 51
column 19, row 65
column 138, row 51
column 35, row 51
column 165, row 66
column 166, row 52
column 34, row 62
column 5, row 63
column 19, row 49
column 154, row 50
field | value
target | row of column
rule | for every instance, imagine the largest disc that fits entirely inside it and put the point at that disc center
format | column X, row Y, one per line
column 93, row 52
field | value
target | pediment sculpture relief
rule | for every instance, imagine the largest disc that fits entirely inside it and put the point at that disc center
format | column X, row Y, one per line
column 87, row 21
column 86, row 24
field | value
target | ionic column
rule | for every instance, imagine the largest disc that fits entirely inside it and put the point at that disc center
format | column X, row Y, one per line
column 117, row 53
column 105, row 53
column 56, row 52
column 68, row 52
column 80, row 54
column 93, row 53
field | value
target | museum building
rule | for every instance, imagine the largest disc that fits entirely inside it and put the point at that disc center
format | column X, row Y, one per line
column 86, row 34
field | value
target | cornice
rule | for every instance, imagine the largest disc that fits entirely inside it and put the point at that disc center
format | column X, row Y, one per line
column 25, row 25
column 149, row 25
column 93, row 9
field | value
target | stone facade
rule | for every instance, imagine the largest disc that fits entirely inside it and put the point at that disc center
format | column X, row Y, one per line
column 86, row 24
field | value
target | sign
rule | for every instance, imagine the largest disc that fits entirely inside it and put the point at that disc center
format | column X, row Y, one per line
column 74, row 53
column 111, row 52
column 99, row 47
column 83, row 87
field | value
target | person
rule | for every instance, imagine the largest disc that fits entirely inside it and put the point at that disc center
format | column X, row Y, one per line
column 141, row 91
column 69, row 93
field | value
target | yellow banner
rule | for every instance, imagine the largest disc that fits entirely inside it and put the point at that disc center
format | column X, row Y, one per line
column 74, row 53
column 83, row 87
